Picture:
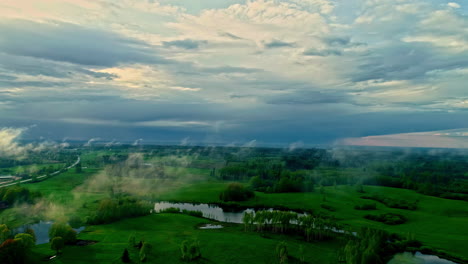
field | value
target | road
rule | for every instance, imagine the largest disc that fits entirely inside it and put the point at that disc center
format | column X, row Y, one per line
column 43, row 176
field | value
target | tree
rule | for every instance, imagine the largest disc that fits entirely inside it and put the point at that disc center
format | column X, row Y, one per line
column 282, row 252
column 145, row 251
column 57, row 244
column 125, row 257
column 301, row 254
column 236, row 192
column 63, row 230
column 131, row 241
column 78, row 168
column 4, row 233
column 26, row 241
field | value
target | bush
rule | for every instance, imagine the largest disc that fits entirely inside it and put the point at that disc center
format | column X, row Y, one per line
column 369, row 206
column 125, row 257
column 111, row 210
column 392, row 203
column 193, row 213
column 328, row 207
column 388, row 218
column 190, row 250
column 236, row 192
column 170, row 210
column 145, row 250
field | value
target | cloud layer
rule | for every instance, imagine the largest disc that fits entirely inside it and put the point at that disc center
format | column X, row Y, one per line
column 310, row 71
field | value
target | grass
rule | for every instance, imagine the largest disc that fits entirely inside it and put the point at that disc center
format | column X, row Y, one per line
column 167, row 231
column 438, row 223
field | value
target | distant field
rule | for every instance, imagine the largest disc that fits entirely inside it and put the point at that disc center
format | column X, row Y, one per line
column 166, row 232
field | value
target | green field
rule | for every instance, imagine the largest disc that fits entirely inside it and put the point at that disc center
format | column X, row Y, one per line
column 439, row 223
column 167, row 231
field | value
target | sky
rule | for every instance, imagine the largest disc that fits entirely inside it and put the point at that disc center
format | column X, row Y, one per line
column 236, row 72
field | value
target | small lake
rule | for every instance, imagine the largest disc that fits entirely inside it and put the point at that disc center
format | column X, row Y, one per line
column 209, row 211
column 41, row 230
column 418, row 258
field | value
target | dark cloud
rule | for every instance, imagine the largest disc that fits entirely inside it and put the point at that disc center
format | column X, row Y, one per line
column 7, row 77
column 406, row 61
column 337, row 41
column 16, row 84
column 278, row 44
column 229, row 69
column 307, row 97
column 73, row 43
column 231, row 36
column 322, row 53
column 184, row 44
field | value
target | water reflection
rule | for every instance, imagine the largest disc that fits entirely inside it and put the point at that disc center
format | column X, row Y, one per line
column 418, row 258
column 209, row 211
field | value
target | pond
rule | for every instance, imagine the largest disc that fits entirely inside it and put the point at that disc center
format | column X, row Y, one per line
column 418, row 258
column 209, row 211
column 41, row 230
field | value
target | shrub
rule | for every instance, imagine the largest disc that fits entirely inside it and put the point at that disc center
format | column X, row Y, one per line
column 190, row 250
column 236, row 192
column 328, row 207
column 369, row 206
column 392, row 203
column 111, row 210
column 388, row 218
column 125, row 257
column 193, row 213
column 170, row 210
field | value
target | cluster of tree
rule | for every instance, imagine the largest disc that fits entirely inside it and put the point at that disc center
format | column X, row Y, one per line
column 114, row 209
column 374, row 246
column 437, row 175
column 236, row 192
column 312, row 227
column 15, row 249
column 368, row 247
column 268, row 175
column 298, row 181
column 61, row 234
column 392, row 203
column 190, row 250
column 441, row 174
column 64, row 231
column 387, row 218
column 17, row 194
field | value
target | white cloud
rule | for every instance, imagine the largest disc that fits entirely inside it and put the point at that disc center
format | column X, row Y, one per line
column 453, row 5
column 444, row 29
